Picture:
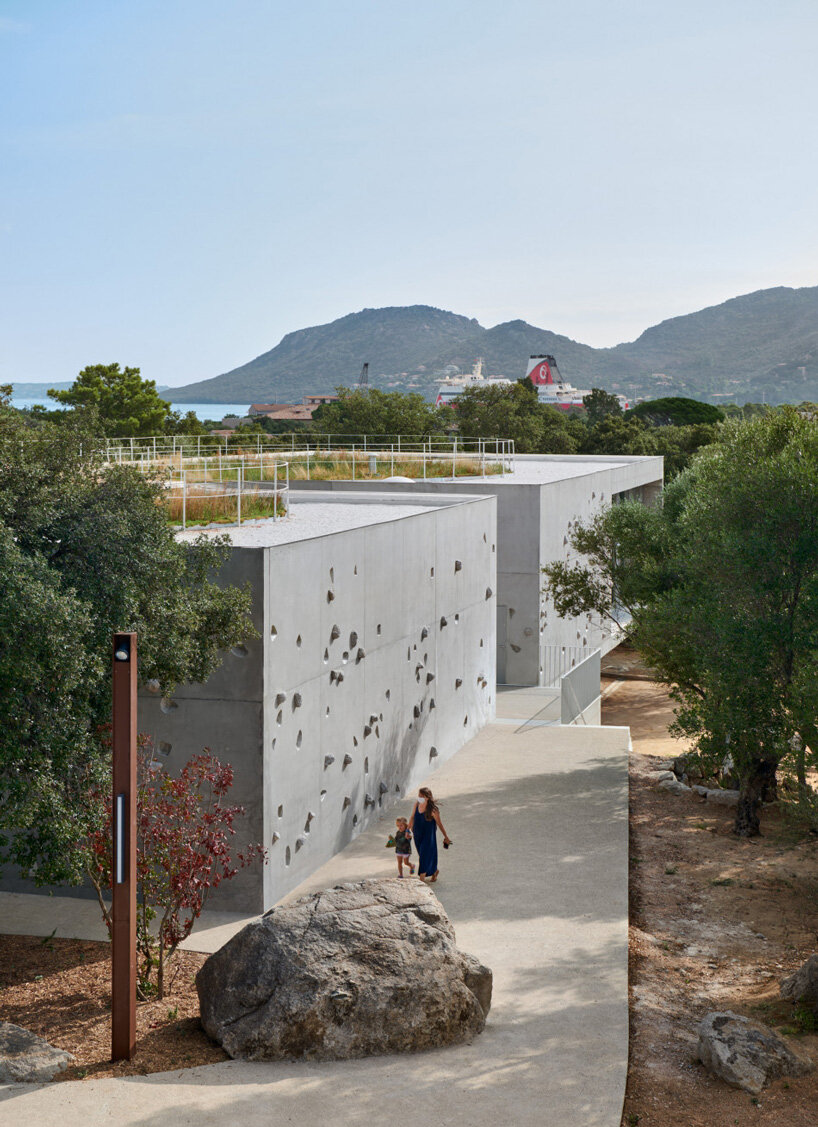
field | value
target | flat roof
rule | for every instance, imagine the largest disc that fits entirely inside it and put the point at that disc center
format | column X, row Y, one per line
column 310, row 516
column 534, row 470
column 529, row 469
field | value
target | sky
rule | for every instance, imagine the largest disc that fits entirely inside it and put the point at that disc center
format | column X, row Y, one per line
column 182, row 182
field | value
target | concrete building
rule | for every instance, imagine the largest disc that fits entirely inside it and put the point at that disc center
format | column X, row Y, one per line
column 374, row 663
column 538, row 504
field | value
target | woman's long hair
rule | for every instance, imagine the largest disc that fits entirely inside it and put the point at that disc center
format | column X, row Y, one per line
column 431, row 805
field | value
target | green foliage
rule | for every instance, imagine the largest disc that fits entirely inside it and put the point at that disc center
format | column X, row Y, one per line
column 722, row 584
column 614, row 434
column 618, row 435
column 370, row 411
column 125, row 403
column 599, row 404
column 675, row 411
column 512, row 412
column 86, row 550
column 189, row 423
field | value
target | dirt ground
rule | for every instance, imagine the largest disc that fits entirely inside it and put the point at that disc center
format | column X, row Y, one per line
column 61, row 989
column 716, row 923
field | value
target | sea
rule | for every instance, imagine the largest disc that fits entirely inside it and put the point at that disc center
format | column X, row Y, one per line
column 201, row 410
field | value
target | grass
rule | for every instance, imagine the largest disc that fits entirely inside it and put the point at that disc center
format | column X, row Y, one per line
column 204, row 506
column 334, row 466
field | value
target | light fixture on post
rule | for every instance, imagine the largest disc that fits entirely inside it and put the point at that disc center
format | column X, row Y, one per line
column 123, row 909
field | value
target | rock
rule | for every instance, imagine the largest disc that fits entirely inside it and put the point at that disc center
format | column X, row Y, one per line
column 722, row 797
column 679, row 767
column 674, row 786
column 718, row 796
column 353, row 971
column 662, row 776
column 26, row 1058
column 745, row 1054
column 803, row 985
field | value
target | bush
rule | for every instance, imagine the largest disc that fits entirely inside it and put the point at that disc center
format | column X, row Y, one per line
column 182, row 854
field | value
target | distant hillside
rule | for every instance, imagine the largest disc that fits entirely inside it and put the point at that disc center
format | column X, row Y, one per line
column 395, row 341
column 761, row 345
column 38, row 390
column 764, row 343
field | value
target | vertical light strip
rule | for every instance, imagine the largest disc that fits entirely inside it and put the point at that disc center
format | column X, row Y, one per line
column 120, row 839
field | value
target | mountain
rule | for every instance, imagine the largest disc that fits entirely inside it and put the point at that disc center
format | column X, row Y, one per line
column 38, row 390
column 762, row 345
column 396, row 340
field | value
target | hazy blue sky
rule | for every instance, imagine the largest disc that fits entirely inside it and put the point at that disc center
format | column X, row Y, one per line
column 182, row 182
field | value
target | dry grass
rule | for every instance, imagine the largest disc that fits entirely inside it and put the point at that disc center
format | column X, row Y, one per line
column 334, row 466
column 202, row 505
column 339, row 467
column 61, row 989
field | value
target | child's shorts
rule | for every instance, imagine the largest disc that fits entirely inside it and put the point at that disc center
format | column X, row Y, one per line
column 404, row 856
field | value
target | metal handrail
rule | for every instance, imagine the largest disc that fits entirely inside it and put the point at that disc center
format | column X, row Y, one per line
column 184, row 479
column 160, row 447
column 149, row 453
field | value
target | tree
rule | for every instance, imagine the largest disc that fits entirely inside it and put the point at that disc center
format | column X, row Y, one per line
column 614, row 434
column 501, row 411
column 599, row 404
column 722, row 584
column 126, row 404
column 369, row 411
column 86, row 549
column 182, row 853
column 675, row 411
column 189, row 423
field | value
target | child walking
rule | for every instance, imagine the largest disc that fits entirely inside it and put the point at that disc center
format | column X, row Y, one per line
column 403, row 845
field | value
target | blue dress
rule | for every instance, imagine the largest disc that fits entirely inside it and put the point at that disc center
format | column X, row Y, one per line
column 425, row 835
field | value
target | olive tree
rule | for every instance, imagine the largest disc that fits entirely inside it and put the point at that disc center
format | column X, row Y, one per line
column 721, row 580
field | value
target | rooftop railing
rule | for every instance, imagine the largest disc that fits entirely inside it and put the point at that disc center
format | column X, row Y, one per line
column 323, row 457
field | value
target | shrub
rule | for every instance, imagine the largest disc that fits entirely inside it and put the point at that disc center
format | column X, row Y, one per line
column 182, row 854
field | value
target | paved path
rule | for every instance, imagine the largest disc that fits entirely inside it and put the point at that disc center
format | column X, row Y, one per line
column 536, row 887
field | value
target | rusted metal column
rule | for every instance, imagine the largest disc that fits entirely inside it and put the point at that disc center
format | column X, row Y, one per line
column 123, row 932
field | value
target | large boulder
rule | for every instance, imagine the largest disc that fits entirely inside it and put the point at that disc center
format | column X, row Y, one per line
column 27, row 1058
column 745, row 1054
column 803, row 985
column 353, row 971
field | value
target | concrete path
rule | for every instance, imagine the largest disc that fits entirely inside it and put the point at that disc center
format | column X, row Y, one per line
column 536, row 887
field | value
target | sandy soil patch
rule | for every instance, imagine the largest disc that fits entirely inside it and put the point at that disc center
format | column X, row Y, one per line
column 716, row 922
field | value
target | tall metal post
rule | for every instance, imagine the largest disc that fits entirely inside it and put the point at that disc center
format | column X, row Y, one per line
column 123, row 930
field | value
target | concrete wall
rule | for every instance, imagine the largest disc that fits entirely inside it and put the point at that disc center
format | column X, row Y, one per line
column 537, row 507
column 375, row 663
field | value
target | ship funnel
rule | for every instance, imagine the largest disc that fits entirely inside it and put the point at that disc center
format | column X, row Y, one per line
column 543, row 370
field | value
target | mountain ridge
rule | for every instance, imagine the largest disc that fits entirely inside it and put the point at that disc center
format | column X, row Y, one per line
column 762, row 345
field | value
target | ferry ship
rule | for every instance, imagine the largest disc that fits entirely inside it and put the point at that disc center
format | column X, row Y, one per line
column 552, row 389
column 543, row 372
column 452, row 386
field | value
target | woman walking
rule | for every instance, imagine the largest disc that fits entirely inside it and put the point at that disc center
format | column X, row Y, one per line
column 425, row 821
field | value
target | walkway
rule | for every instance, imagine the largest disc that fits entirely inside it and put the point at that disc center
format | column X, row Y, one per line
column 536, row 887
